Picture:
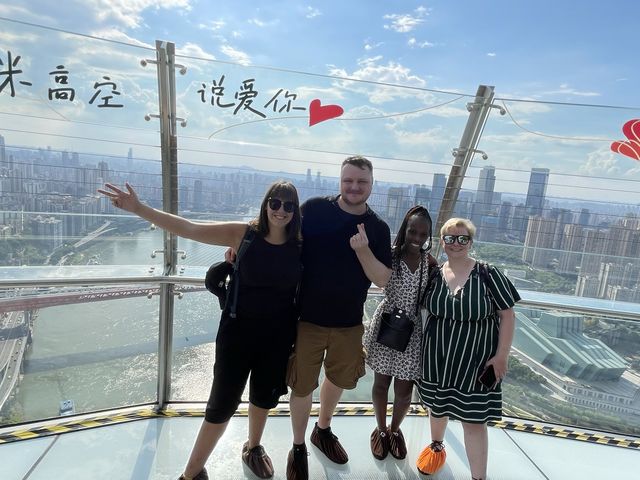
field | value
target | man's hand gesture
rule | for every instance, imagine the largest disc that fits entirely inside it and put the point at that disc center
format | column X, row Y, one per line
column 359, row 240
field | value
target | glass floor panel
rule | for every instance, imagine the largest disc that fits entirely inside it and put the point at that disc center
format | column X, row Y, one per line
column 157, row 448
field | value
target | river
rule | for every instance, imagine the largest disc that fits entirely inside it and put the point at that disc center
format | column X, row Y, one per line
column 110, row 347
column 104, row 354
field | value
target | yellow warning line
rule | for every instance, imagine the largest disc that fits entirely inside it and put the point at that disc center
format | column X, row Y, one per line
column 364, row 410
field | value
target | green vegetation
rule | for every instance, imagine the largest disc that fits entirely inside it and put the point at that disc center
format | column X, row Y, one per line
column 16, row 251
column 510, row 257
column 500, row 254
column 11, row 414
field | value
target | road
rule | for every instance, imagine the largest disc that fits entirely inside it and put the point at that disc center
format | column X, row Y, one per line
column 12, row 347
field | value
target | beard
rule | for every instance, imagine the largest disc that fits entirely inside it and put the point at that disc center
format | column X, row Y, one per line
column 354, row 204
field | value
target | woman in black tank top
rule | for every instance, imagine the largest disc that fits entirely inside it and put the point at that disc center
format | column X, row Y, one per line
column 257, row 342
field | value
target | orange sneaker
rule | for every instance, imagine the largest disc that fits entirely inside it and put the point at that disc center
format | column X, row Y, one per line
column 432, row 458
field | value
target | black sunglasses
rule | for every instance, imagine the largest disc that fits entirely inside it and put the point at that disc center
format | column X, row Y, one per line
column 451, row 239
column 275, row 203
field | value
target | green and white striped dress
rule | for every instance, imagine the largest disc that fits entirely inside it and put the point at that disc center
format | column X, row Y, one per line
column 461, row 334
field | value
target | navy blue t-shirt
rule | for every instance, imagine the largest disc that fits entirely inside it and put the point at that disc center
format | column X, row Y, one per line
column 334, row 285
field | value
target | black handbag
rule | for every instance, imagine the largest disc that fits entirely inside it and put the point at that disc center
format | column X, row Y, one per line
column 219, row 279
column 395, row 330
column 396, row 327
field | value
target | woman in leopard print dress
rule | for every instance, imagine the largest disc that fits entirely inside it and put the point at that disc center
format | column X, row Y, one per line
column 408, row 281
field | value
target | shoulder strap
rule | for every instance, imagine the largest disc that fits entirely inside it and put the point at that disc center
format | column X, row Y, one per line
column 422, row 266
column 483, row 273
column 483, row 270
column 234, row 287
column 434, row 271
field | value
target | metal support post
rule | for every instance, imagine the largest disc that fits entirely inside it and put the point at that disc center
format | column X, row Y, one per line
column 165, row 63
column 479, row 110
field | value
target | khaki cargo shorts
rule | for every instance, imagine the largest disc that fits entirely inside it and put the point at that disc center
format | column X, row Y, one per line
column 340, row 349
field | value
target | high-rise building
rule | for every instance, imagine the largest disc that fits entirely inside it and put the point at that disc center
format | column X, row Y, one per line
column 198, row 196
column 423, row 196
column 483, row 203
column 537, row 190
column 504, row 217
column 484, row 194
column 563, row 217
column 538, row 244
column 437, row 192
column 584, row 217
column 395, row 207
column 3, row 153
column 520, row 221
column 130, row 160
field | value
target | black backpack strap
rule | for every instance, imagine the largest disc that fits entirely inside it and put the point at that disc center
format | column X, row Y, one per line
column 233, row 289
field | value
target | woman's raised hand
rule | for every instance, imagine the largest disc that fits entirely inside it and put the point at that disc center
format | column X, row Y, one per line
column 119, row 198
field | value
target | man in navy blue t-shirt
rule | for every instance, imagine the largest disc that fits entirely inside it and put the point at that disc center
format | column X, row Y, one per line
column 346, row 247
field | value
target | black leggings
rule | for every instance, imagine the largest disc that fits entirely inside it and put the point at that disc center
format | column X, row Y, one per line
column 249, row 348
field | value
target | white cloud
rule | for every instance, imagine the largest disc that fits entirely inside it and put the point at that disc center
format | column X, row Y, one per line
column 432, row 137
column 22, row 13
column 128, row 12
column 312, row 12
column 118, row 36
column 194, row 50
column 403, row 23
column 213, row 25
column 12, row 39
column 491, row 54
column 602, row 162
column 368, row 46
column 235, row 55
column 413, row 43
column 371, row 70
column 565, row 89
column 263, row 23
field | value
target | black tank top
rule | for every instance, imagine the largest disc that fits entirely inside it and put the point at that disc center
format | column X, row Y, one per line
column 269, row 275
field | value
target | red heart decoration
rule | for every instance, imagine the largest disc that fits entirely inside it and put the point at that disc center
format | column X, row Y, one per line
column 631, row 147
column 319, row 113
column 631, row 130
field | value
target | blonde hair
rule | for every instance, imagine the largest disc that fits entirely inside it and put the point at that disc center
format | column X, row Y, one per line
column 459, row 222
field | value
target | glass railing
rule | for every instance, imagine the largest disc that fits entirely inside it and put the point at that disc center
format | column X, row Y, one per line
column 87, row 348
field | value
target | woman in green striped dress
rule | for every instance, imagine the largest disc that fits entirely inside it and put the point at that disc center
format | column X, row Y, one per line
column 469, row 329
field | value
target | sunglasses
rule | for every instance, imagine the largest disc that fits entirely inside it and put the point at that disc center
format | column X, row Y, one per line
column 276, row 203
column 451, row 239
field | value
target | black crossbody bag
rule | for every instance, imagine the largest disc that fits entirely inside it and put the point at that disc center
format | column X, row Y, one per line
column 396, row 327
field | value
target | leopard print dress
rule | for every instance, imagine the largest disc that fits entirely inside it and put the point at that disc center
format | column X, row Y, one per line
column 400, row 292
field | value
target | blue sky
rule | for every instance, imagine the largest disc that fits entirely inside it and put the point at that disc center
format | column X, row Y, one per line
column 553, row 50
column 557, row 51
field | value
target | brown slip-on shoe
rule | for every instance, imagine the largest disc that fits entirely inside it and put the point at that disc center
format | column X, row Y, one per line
column 397, row 444
column 203, row 475
column 257, row 460
column 379, row 443
column 297, row 463
column 328, row 444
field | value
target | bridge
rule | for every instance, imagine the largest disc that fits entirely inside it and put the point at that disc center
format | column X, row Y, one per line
column 16, row 321
column 42, row 299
